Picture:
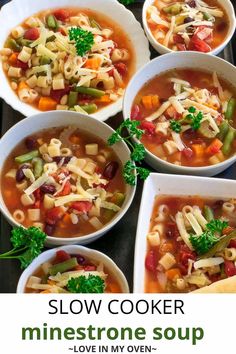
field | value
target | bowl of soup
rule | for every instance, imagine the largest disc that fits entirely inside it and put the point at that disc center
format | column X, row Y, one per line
column 186, row 236
column 72, row 269
column 69, row 55
column 186, row 105
column 189, row 25
column 58, row 174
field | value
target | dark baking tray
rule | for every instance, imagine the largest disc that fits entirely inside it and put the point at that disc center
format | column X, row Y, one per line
column 120, row 241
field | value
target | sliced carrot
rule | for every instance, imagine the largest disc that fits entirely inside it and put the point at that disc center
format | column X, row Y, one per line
column 66, row 218
column 147, row 102
column 93, row 63
column 13, row 58
column 214, row 147
column 22, row 85
column 227, row 230
column 47, row 104
column 173, row 273
column 167, row 247
column 198, row 149
column 103, row 99
column 155, row 101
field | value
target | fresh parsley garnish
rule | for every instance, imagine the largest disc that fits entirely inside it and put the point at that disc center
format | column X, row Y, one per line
column 93, row 284
column 204, row 242
column 175, row 125
column 83, row 39
column 27, row 245
column 195, row 119
column 127, row 2
column 137, row 154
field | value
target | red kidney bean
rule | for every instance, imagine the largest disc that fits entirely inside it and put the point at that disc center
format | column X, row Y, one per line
column 48, row 188
column 217, row 205
column 188, row 19
column 30, row 143
column 110, row 170
column 81, row 260
column 20, row 174
column 191, row 3
column 49, row 229
column 58, row 159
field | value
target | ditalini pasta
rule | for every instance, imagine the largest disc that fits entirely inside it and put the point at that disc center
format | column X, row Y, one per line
column 192, row 247
column 188, row 117
column 48, row 69
column 188, row 24
column 66, row 181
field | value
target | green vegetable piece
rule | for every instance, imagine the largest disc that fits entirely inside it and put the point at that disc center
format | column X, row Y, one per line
column 90, row 91
column 208, row 213
column 27, row 157
column 90, row 108
column 37, row 167
column 173, row 9
column 228, row 142
column 94, row 24
column 84, row 183
column 118, row 199
column 208, row 17
column 230, row 109
column 73, row 98
column 52, row 22
column 51, row 38
column 93, row 284
column 175, row 126
column 205, row 130
column 221, row 244
column 44, row 60
column 83, row 39
column 27, row 245
column 24, row 42
column 224, row 127
column 63, row 266
column 12, row 44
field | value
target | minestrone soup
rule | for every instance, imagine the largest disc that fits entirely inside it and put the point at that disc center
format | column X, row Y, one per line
column 188, row 24
column 68, row 59
column 191, row 243
column 188, row 116
column 63, row 180
column 67, row 273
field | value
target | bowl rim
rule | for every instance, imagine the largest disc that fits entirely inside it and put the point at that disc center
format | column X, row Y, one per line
column 180, row 169
column 140, row 56
column 151, row 179
column 76, row 239
column 160, row 48
column 89, row 252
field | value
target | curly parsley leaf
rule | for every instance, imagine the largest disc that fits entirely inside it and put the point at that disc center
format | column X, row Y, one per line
column 175, row 126
column 217, row 225
column 138, row 153
column 195, row 119
column 27, row 245
column 143, row 172
column 127, row 2
column 83, row 39
column 129, row 173
column 93, row 284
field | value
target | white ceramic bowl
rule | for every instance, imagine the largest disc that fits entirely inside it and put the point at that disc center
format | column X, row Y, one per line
column 86, row 252
column 52, row 119
column 159, row 184
column 227, row 6
column 167, row 62
column 17, row 11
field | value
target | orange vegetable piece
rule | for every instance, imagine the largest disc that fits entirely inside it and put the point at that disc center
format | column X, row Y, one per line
column 167, row 247
column 75, row 139
column 198, row 150
column 227, row 230
column 103, row 99
column 173, row 274
column 150, row 101
column 214, row 147
column 47, row 104
column 22, row 85
column 13, row 58
column 93, row 63
column 45, row 292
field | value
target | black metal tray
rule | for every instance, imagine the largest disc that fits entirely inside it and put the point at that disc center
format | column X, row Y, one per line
column 120, row 241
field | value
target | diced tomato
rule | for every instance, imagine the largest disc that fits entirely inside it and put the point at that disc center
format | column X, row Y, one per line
column 171, row 112
column 204, row 33
column 83, row 207
column 230, row 269
column 186, row 254
column 54, row 215
column 121, row 68
column 38, row 197
column 199, row 45
column 151, row 261
column 232, row 243
column 22, row 65
column 66, row 190
column 62, row 256
column 181, row 46
column 111, row 72
column 136, row 113
column 62, row 31
column 90, row 268
column 177, row 38
column 219, row 119
column 61, row 14
column 58, row 94
column 188, row 153
column 32, row 34
column 148, row 127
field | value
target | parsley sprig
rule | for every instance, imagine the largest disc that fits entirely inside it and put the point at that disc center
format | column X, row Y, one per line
column 193, row 119
column 209, row 238
column 127, row 2
column 137, row 154
column 93, row 284
column 27, row 245
column 83, row 39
